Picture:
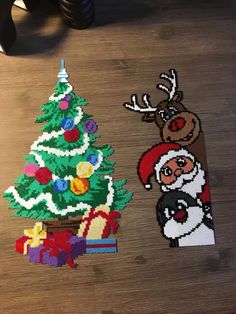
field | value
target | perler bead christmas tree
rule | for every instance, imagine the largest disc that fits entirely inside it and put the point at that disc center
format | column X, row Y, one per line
column 66, row 175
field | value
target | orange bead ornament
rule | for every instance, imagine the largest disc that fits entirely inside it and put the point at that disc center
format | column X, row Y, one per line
column 79, row 186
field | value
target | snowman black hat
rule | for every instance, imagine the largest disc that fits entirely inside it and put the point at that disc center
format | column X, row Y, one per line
column 154, row 159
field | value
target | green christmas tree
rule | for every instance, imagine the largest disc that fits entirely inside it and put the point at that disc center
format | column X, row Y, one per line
column 65, row 173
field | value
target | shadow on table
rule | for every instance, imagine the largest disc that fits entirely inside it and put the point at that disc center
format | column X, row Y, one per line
column 34, row 33
column 121, row 11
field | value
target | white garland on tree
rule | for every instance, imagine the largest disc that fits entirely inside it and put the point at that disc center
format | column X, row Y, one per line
column 54, row 134
column 47, row 197
column 41, row 163
column 61, row 96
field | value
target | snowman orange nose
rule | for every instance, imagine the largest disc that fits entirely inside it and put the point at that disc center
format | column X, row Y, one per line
column 177, row 124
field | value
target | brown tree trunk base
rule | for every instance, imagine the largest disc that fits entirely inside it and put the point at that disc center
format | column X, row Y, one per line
column 71, row 225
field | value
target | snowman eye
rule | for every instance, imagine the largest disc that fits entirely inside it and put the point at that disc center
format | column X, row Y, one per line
column 166, row 211
column 181, row 204
column 166, row 171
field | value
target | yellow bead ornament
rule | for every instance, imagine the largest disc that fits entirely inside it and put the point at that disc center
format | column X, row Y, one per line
column 79, row 186
column 84, row 169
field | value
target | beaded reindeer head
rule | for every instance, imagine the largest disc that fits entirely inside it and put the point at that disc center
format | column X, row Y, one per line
column 175, row 122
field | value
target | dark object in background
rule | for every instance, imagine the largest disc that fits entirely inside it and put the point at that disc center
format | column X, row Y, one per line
column 28, row 5
column 77, row 14
column 7, row 26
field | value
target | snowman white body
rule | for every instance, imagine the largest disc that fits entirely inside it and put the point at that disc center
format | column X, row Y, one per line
column 185, row 221
column 202, row 235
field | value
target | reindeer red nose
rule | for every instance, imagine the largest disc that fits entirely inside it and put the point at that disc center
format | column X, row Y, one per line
column 177, row 124
column 181, row 215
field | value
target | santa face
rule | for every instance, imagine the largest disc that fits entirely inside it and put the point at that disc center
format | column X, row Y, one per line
column 178, row 214
column 182, row 174
column 175, row 168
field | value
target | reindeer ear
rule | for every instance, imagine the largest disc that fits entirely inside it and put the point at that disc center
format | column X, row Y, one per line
column 178, row 96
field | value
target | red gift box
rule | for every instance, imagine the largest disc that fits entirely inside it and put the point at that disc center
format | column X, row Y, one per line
column 20, row 243
column 58, row 243
column 109, row 225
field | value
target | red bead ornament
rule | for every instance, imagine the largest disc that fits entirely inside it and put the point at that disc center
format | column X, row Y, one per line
column 72, row 135
column 43, row 175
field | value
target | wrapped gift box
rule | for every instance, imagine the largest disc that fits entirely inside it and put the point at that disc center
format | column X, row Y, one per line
column 78, row 246
column 99, row 222
column 57, row 261
column 34, row 254
column 101, row 246
column 41, row 255
column 58, row 249
column 20, row 245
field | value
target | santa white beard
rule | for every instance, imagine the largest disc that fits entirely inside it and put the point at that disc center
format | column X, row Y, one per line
column 191, row 183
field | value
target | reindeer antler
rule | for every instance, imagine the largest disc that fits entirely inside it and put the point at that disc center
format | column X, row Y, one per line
column 134, row 106
column 173, row 81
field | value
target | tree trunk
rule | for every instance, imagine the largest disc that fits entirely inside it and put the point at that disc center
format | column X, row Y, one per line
column 62, row 224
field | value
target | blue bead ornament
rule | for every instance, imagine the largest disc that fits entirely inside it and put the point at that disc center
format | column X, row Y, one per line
column 93, row 159
column 60, row 185
column 67, row 124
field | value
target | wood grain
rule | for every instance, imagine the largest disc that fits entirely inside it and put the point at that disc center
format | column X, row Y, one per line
column 123, row 53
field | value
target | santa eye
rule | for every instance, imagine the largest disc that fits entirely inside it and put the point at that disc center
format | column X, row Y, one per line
column 181, row 162
column 166, row 171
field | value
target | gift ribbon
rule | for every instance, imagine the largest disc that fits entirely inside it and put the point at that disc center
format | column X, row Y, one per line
column 109, row 217
column 58, row 241
column 36, row 235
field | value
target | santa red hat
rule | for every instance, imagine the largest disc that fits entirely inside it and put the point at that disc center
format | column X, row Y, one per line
column 154, row 159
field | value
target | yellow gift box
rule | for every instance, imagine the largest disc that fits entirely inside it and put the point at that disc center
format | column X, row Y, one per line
column 37, row 235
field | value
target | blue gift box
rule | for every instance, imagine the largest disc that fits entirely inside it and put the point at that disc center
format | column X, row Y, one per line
column 101, row 246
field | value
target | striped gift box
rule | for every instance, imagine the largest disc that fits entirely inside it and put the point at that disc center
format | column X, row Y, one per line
column 101, row 246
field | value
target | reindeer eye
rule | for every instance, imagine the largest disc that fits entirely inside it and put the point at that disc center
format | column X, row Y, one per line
column 165, row 117
column 166, row 171
column 162, row 114
column 166, row 211
column 172, row 110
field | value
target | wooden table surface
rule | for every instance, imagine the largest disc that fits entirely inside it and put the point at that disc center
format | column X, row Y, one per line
column 131, row 43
